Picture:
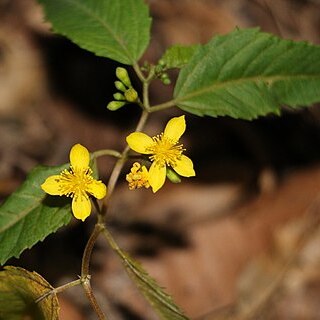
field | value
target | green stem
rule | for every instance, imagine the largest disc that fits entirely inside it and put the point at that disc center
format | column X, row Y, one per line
column 106, row 152
column 139, row 73
column 124, row 155
column 145, row 84
column 162, row 106
column 145, row 93
column 120, row 163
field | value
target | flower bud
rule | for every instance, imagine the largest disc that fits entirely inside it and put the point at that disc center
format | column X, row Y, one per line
column 120, row 86
column 115, row 105
column 122, row 75
column 118, row 96
column 131, row 95
column 161, row 62
column 165, row 79
column 173, row 176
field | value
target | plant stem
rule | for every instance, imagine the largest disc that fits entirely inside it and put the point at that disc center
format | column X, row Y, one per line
column 85, row 277
column 59, row 289
column 162, row 106
column 124, row 155
column 89, row 293
column 110, row 239
column 106, row 152
column 139, row 73
column 120, row 163
column 145, row 92
column 88, row 249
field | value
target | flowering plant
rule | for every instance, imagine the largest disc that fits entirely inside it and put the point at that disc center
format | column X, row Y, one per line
column 244, row 74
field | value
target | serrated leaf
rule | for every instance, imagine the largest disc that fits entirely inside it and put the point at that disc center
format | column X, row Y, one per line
column 116, row 29
column 247, row 74
column 28, row 215
column 178, row 56
column 19, row 289
column 161, row 302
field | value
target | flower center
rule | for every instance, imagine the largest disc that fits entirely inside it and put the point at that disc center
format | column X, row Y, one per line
column 165, row 151
column 74, row 182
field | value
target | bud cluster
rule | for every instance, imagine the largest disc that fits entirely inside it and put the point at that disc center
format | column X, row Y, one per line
column 161, row 73
column 126, row 94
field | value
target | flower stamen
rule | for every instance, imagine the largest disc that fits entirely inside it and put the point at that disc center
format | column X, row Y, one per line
column 138, row 177
column 165, row 151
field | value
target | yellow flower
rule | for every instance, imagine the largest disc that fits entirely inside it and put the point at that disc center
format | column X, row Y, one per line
column 164, row 150
column 138, row 177
column 77, row 183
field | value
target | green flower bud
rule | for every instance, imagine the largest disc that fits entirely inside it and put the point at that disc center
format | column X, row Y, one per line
column 161, row 62
column 173, row 176
column 131, row 95
column 115, row 105
column 122, row 75
column 120, row 86
column 166, row 81
column 118, row 96
column 158, row 69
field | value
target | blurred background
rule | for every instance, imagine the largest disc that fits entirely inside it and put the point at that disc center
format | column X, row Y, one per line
column 240, row 240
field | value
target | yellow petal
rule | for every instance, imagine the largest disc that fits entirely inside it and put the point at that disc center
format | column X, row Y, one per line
column 52, row 185
column 81, row 207
column 157, row 176
column 139, row 142
column 175, row 128
column 97, row 189
column 184, row 167
column 79, row 157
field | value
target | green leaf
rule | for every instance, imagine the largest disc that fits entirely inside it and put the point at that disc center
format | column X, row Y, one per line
column 116, row 29
column 178, row 56
column 247, row 74
column 28, row 215
column 19, row 289
column 162, row 303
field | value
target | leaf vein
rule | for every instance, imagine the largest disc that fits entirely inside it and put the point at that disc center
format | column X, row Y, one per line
column 93, row 15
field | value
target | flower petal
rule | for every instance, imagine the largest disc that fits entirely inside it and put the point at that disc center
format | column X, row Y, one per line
column 52, row 185
column 97, row 188
column 157, row 176
column 175, row 128
column 79, row 157
column 81, row 207
column 184, row 167
column 139, row 142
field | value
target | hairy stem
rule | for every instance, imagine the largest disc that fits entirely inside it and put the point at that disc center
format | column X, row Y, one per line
column 85, row 277
column 92, row 299
column 88, row 249
column 110, row 239
column 59, row 289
